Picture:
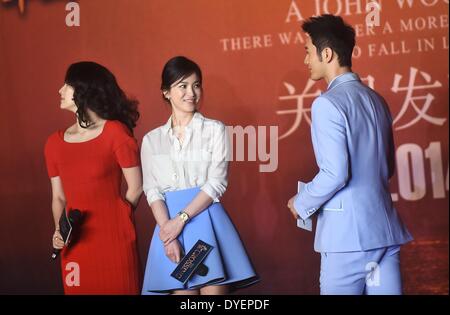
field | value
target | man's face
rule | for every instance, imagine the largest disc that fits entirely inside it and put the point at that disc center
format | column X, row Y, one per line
column 315, row 66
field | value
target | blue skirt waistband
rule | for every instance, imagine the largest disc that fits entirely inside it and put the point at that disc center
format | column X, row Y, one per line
column 179, row 199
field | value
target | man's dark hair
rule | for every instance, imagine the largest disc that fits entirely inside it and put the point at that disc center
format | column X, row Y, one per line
column 331, row 31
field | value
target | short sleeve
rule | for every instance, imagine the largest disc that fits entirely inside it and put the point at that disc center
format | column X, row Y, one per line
column 50, row 157
column 126, row 149
column 127, row 153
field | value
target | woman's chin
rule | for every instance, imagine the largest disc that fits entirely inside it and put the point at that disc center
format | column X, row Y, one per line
column 69, row 108
column 190, row 109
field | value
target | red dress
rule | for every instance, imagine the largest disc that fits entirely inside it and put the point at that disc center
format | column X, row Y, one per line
column 103, row 258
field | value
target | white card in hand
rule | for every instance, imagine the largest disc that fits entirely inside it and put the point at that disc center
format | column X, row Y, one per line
column 303, row 224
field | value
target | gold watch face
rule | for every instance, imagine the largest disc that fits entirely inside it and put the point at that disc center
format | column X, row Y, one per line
column 184, row 216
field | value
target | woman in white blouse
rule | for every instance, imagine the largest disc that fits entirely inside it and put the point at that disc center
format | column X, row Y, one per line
column 185, row 166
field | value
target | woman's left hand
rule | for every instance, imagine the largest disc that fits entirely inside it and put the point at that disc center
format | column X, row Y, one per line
column 170, row 230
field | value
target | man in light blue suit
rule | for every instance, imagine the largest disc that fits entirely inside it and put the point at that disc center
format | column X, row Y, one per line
column 358, row 230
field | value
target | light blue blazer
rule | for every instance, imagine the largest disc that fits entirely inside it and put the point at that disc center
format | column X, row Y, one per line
column 354, row 148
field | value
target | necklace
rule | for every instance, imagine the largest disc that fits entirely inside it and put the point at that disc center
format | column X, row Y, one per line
column 179, row 133
column 82, row 131
column 178, row 130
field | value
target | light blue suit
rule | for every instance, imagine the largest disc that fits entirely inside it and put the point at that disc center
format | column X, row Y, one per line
column 353, row 144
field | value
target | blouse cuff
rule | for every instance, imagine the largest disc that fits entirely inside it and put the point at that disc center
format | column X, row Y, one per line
column 153, row 195
column 210, row 191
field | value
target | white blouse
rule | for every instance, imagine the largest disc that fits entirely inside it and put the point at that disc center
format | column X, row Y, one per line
column 200, row 161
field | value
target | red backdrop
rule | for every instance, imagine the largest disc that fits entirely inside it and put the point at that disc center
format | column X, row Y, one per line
column 251, row 53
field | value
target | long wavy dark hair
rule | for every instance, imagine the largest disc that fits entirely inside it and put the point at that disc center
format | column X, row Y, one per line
column 96, row 88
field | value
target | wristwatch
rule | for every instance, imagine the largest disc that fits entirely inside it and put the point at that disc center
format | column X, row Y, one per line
column 184, row 217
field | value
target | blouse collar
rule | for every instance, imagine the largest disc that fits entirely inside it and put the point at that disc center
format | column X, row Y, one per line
column 196, row 120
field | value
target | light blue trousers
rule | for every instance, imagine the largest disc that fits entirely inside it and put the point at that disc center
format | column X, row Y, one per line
column 371, row 272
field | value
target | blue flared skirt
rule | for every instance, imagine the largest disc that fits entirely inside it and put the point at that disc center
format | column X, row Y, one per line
column 228, row 262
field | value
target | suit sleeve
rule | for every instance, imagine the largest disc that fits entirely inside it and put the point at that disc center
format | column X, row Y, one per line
column 391, row 152
column 330, row 146
column 390, row 137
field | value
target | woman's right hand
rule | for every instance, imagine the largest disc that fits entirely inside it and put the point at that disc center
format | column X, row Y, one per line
column 174, row 251
column 57, row 240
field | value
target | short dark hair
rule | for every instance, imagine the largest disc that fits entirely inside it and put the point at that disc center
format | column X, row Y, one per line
column 331, row 31
column 176, row 69
column 96, row 88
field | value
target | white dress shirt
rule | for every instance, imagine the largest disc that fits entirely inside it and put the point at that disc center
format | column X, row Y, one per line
column 201, row 160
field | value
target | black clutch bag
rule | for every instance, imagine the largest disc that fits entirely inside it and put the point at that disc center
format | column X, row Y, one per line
column 67, row 223
column 192, row 262
column 65, row 227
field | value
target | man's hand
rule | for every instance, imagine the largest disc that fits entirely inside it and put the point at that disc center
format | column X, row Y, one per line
column 291, row 207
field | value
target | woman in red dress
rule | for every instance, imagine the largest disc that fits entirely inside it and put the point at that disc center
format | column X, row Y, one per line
column 85, row 164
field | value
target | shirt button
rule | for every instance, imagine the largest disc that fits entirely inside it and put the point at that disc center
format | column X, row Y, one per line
column 174, row 176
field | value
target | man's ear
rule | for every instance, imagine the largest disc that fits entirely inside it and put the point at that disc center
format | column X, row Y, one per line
column 327, row 54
